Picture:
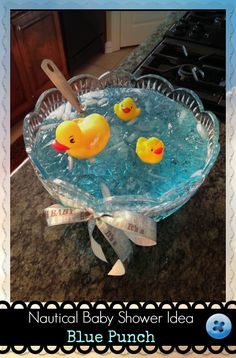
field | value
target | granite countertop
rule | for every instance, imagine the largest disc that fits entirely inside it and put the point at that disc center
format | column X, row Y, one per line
column 57, row 263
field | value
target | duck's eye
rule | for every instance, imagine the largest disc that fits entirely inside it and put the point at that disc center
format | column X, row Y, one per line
column 72, row 140
column 152, row 150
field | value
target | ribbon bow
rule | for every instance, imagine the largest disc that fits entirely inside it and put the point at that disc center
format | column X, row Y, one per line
column 118, row 229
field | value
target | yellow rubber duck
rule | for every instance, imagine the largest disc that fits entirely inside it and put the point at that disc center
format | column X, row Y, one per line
column 127, row 110
column 150, row 150
column 82, row 137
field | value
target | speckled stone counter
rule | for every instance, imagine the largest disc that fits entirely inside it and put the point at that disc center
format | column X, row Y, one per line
column 57, row 263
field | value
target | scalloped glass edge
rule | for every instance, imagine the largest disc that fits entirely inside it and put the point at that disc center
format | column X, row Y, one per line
column 161, row 206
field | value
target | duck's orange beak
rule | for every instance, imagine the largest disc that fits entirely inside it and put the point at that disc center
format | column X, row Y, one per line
column 126, row 109
column 158, row 150
column 58, row 146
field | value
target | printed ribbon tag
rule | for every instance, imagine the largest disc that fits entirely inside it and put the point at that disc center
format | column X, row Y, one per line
column 118, row 229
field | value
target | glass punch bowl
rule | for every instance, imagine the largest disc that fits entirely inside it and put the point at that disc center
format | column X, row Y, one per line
column 157, row 208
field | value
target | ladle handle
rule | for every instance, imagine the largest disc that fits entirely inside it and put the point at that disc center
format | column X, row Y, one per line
column 61, row 84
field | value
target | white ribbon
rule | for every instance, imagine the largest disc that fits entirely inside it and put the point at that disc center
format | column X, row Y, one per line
column 118, row 229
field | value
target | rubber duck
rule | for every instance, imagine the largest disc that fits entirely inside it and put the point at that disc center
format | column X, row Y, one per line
column 127, row 110
column 82, row 137
column 150, row 150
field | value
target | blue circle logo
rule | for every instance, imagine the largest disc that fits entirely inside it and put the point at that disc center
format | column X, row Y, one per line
column 218, row 326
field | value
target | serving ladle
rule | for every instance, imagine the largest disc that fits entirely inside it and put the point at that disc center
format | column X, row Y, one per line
column 58, row 79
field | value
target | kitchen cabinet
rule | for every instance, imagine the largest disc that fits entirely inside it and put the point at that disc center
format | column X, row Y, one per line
column 84, row 35
column 35, row 35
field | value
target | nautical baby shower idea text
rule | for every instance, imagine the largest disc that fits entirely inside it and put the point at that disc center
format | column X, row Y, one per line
column 81, row 326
